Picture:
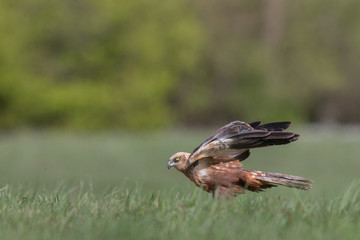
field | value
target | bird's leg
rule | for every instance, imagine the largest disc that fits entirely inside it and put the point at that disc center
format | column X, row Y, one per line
column 222, row 192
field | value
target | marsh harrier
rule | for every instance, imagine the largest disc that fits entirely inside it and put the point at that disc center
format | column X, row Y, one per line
column 216, row 166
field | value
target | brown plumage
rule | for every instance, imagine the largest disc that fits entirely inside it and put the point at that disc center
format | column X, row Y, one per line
column 215, row 165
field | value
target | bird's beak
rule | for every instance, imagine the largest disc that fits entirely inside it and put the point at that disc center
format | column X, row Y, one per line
column 170, row 164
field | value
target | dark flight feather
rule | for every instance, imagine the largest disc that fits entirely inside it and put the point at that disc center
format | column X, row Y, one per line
column 235, row 137
column 278, row 126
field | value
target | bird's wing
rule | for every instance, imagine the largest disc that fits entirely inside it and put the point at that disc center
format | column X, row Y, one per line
column 233, row 141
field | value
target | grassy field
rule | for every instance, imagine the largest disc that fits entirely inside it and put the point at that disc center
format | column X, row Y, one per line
column 116, row 185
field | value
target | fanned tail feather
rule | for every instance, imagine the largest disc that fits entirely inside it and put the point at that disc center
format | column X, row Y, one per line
column 282, row 179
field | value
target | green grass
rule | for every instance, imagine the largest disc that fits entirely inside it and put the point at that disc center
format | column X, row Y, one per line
column 133, row 214
column 116, row 186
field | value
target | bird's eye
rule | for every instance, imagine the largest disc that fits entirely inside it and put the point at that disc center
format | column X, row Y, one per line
column 176, row 159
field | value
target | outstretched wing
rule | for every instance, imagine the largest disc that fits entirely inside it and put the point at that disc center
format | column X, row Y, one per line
column 234, row 140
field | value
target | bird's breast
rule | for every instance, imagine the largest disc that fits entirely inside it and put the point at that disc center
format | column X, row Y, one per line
column 200, row 175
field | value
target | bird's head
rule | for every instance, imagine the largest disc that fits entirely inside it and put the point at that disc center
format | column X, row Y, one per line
column 178, row 160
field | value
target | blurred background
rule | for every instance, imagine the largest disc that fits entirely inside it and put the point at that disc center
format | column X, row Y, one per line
column 82, row 82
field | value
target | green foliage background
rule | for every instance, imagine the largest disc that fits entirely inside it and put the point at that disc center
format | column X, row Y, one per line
column 149, row 63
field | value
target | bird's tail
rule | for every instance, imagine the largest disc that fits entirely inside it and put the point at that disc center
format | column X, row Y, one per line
column 269, row 179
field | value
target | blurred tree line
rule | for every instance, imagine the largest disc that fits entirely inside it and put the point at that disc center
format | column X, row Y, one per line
column 148, row 63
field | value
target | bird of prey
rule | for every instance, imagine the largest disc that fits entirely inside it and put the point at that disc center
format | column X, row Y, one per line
column 215, row 165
